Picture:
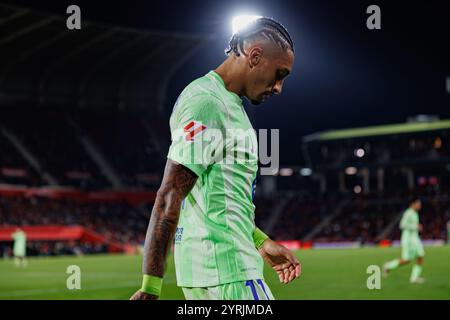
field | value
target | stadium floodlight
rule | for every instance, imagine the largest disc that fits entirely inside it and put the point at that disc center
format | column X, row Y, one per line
column 286, row 172
column 305, row 172
column 359, row 152
column 351, row 171
column 437, row 143
column 241, row 22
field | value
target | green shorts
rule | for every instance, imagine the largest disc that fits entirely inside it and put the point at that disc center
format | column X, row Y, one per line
column 242, row 290
column 412, row 249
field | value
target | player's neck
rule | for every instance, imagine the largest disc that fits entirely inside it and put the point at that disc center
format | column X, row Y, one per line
column 231, row 77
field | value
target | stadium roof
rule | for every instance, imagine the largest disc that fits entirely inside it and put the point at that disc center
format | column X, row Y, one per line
column 400, row 128
column 43, row 62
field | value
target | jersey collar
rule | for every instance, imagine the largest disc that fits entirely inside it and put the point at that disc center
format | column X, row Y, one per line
column 219, row 79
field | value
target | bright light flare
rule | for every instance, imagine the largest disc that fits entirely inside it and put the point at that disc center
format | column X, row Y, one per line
column 351, row 171
column 359, row 152
column 305, row 172
column 286, row 172
column 241, row 22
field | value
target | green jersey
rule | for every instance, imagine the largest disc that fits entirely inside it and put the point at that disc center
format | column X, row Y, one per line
column 411, row 245
column 410, row 225
column 20, row 240
column 214, row 138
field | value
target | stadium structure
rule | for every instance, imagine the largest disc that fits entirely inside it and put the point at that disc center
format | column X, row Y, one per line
column 84, row 136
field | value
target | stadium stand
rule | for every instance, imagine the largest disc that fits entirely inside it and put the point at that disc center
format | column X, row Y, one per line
column 118, row 221
column 14, row 169
column 83, row 111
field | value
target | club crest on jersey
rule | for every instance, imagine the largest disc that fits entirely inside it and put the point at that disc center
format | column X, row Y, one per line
column 192, row 129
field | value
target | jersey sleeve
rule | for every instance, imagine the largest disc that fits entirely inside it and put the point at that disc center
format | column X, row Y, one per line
column 198, row 131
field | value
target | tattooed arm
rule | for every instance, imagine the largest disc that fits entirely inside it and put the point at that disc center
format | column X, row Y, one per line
column 176, row 184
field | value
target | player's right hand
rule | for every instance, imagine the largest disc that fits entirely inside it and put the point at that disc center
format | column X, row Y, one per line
column 282, row 260
column 139, row 295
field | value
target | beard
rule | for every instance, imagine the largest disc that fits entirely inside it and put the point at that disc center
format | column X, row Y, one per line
column 255, row 102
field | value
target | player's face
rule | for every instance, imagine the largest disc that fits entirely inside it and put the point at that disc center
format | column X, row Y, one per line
column 268, row 76
column 418, row 205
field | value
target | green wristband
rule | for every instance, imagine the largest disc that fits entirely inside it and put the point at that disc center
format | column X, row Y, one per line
column 259, row 237
column 152, row 285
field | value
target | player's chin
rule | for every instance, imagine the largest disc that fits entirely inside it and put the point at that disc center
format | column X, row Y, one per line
column 256, row 102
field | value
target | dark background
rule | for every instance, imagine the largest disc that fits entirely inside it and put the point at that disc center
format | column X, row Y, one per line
column 345, row 75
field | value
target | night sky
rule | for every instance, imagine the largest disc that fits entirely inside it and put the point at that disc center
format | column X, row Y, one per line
column 344, row 75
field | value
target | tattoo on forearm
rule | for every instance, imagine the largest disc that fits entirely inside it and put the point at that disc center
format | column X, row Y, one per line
column 177, row 183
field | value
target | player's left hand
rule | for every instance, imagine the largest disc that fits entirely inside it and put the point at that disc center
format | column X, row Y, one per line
column 282, row 260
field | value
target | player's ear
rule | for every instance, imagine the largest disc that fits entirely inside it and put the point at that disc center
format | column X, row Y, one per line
column 254, row 56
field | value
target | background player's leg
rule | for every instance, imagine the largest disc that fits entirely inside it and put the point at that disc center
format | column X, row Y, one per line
column 417, row 271
column 407, row 255
column 394, row 264
column 417, row 268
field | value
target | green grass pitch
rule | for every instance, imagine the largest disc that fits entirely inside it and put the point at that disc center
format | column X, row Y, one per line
column 327, row 274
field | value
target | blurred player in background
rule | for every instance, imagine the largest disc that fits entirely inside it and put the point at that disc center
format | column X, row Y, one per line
column 448, row 231
column 219, row 252
column 19, row 248
column 412, row 247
